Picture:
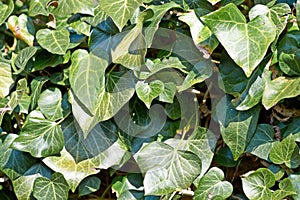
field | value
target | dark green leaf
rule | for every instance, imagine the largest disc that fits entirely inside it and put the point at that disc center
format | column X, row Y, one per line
column 89, row 185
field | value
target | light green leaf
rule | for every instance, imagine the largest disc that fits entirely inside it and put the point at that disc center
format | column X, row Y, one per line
column 6, row 79
column 39, row 132
column 149, row 91
column 50, row 104
column 13, row 163
column 237, row 127
column 286, row 188
column 89, row 185
column 286, row 152
column 280, row 88
column 67, row 7
column 73, row 172
column 86, row 77
column 23, row 57
column 36, row 88
column 295, row 179
column 290, row 63
column 201, row 35
column 298, row 12
column 120, row 11
column 81, row 27
column 23, row 185
column 262, row 141
column 99, row 17
column 6, row 10
column 202, row 143
column 212, row 184
column 54, row 41
column 38, row 8
column 57, row 188
column 169, row 92
column 257, row 184
column 167, row 168
column 246, row 43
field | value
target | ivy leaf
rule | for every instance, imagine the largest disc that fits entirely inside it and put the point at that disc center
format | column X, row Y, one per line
column 298, row 12
column 295, row 179
column 56, row 188
column 286, row 152
column 23, row 57
column 262, row 141
column 6, row 79
column 211, row 185
column 23, row 185
column 127, row 184
column 200, row 33
column 36, row 88
column 50, row 103
column 73, row 172
column 42, row 133
column 149, row 91
column 237, row 127
column 286, row 188
column 54, row 41
column 280, row 88
column 169, row 92
column 13, row 163
column 22, row 27
column 167, row 168
column 246, row 43
column 290, row 63
column 120, row 11
column 257, row 184
column 67, row 7
column 6, row 10
column 89, row 185
column 38, row 8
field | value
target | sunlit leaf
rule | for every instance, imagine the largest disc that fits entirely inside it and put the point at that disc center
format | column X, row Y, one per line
column 6, row 79
column 241, row 39
column 149, row 91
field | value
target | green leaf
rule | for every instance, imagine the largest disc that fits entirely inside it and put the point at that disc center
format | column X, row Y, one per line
column 246, row 43
column 169, row 92
column 262, row 141
column 67, row 7
column 23, row 185
column 42, row 133
column 127, row 184
column 38, row 8
column 120, row 11
column 290, row 63
column 212, row 185
column 167, row 168
column 54, row 41
column 237, row 127
column 201, row 35
column 149, row 91
column 44, row 59
column 286, row 188
column 6, row 79
column 22, row 28
column 286, row 152
column 56, row 188
column 278, row 89
column 6, row 10
column 50, row 104
column 13, row 163
column 86, row 77
column 295, row 179
column 73, row 172
column 36, row 88
column 298, row 12
column 23, row 57
column 89, row 185
column 257, row 184
column 99, row 16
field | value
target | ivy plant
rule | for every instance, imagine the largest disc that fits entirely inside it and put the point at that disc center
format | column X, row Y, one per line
column 148, row 99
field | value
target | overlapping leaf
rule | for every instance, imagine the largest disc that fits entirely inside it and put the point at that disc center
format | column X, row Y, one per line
column 6, row 10
column 246, row 43
column 67, row 7
column 50, row 103
column 6, row 79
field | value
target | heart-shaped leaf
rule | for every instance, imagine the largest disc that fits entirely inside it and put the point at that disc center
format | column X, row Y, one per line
column 38, row 8
column 246, row 43
column 37, row 131
column 6, row 79
column 290, row 63
column 50, row 103
column 286, row 188
column 167, row 168
column 54, row 41
column 149, row 91
column 89, row 185
column 256, row 184
column 280, row 88
column 57, row 188
column 6, row 10
column 120, row 11
column 286, row 152
column 212, row 185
